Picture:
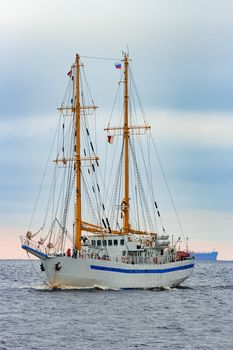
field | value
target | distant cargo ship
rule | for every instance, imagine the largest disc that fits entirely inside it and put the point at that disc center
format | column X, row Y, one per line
column 211, row 256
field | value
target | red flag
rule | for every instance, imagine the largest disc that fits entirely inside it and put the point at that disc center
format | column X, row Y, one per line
column 110, row 139
column 70, row 73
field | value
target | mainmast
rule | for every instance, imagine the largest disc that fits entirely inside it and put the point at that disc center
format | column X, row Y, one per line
column 78, row 222
column 125, row 203
column 125, row 130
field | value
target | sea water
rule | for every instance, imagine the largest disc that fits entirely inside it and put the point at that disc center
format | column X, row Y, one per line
column 197, row 315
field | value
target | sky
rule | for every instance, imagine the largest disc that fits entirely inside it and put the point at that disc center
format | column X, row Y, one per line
column 182, row 59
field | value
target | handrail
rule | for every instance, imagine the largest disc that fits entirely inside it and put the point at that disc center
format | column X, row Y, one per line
column 127, row 259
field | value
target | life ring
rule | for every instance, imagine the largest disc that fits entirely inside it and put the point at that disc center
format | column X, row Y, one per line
column 155, row 260
column 148, row 243
column 125, row 259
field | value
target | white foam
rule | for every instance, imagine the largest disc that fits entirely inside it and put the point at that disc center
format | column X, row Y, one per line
column 60, row 287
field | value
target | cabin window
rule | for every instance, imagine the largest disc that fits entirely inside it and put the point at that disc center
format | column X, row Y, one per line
column 115, row 242
column 161, row 252
column 122, row 242
column 104, row 242
column 109, row 242
column 93, row 242
column 99, row 243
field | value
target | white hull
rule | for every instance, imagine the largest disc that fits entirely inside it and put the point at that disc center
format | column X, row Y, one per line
column 89, row 273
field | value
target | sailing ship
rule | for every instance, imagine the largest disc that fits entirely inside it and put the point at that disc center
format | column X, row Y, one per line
column 114, row 239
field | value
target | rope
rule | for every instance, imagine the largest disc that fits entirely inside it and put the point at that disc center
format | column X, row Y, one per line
column 141, row 188
column 168, row 189
column 116, row 191
column 43, row 177
column 35, row 268
column 102, row 58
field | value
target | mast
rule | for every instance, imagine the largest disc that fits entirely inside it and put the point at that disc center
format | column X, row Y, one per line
column 125, row 130
column 126, row 225
column 77, row 221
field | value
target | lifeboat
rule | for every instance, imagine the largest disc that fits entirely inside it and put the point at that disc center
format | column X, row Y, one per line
column 181, row 255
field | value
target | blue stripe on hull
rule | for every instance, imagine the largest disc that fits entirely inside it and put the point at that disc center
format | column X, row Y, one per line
column 114, row 269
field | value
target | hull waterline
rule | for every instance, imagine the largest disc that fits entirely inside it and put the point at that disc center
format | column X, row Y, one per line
column 89, row 273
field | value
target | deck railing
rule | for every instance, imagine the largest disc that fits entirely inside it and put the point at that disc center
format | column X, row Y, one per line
column 128, row 259
column 34, row 245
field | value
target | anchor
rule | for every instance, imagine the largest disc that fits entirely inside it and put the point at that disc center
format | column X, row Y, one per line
column 57, row 266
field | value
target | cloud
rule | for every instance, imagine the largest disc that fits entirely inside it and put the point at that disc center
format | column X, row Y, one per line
column 196, row 152
column 26, row 143
column 182, row 57
column 199, row 128
column 182, row 64
column 30, row 127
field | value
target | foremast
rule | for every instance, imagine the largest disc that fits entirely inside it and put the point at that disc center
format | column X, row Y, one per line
column 79, row 225
column 125, row 204
column 78, row 212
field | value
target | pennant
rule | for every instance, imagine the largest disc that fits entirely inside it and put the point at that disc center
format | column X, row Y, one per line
column 118, row 65
column 110, row 139
column 70, row 73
